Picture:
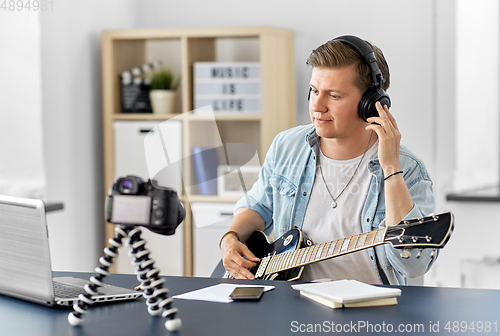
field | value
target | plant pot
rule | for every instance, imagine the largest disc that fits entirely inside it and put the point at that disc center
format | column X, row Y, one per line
column 163, row 101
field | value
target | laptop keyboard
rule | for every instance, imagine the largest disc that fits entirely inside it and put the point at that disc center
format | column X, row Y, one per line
column 65, row 291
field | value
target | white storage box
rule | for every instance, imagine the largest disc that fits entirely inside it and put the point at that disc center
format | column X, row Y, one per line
column 210, row 222
column 229, row 182
column 130, row 155
column 167, row 251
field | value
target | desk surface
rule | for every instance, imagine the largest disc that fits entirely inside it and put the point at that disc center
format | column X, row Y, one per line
column 281, row 311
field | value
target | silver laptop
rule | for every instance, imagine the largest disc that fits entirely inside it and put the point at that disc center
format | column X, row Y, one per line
column 25, row 268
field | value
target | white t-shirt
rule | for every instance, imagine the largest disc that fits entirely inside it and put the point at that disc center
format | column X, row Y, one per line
column 322, row 223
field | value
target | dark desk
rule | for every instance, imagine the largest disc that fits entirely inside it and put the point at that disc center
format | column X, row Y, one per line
column 274, row 314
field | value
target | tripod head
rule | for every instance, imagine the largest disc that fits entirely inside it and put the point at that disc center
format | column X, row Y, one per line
column 132, row 201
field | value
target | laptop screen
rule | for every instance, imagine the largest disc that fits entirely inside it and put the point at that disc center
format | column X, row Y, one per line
column 25, row 269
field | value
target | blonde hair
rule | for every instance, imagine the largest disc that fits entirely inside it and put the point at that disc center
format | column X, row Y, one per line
column 335, row 54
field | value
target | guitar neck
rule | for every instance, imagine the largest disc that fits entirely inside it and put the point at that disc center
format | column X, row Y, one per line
column 315, row 253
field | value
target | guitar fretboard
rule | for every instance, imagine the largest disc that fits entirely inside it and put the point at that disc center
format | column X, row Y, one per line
column 308, row 255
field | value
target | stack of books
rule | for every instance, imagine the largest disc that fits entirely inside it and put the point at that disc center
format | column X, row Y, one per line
column 348, row 293
column 205, row 161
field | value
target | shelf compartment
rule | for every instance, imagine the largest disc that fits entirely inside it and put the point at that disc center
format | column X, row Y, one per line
column 179, row 49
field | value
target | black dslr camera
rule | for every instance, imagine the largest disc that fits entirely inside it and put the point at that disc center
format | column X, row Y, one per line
column 131, row 201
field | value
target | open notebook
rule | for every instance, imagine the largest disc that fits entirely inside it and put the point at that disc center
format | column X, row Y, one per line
column 25, row 268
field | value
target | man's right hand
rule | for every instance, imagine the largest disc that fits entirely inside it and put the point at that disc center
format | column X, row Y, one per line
column 233, row 257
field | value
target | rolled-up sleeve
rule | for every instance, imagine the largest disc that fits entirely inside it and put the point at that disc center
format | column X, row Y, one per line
column 421, row 191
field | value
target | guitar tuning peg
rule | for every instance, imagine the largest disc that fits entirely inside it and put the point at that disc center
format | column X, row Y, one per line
column 401, row 240
column 405, row 254
column 433, row 254
column 420, row 219
column 419, row 254
column 428, row 238
column 414, row 239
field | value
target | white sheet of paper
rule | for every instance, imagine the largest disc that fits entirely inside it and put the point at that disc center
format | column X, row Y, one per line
column 217, row 293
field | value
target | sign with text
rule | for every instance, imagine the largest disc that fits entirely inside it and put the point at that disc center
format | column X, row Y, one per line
column 229, row 87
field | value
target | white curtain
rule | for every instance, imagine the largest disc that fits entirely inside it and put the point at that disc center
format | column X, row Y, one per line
column 22, row 170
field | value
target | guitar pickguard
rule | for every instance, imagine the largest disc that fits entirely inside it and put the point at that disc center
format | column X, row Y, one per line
column 260, row 246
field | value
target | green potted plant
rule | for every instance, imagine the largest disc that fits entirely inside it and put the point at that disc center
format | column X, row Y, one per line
column 163, row 91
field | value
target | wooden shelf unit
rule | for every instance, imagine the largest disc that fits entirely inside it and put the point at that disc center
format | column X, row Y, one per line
column 180, row 49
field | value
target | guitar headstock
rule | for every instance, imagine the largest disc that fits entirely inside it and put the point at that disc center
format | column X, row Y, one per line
column 432, row 231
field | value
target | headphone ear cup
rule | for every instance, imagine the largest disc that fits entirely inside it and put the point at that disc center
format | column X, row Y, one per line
column 366, row 107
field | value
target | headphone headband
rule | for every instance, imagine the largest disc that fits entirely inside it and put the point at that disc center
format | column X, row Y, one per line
column 368, row 56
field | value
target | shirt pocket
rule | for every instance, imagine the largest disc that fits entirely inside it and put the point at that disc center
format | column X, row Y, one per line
column 283, row 196
column 379, row 218
column 282, row 186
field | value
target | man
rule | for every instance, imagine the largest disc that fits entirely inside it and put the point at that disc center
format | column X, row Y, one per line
column 338, row 177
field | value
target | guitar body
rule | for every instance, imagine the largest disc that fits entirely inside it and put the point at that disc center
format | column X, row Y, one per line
column 285, row 258
column 260, row 246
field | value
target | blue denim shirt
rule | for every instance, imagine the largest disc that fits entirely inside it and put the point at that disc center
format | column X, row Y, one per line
column 286, row 178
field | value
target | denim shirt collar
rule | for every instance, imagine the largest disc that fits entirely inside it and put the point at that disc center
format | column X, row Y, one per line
column 312, row 139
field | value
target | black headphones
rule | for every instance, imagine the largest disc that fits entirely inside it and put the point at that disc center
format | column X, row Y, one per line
column 366, row 107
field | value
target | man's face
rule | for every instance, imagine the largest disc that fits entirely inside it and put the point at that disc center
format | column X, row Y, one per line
column 333, row 106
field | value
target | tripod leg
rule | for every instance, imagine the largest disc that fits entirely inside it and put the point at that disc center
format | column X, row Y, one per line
column 85, row 300
column 156, row 296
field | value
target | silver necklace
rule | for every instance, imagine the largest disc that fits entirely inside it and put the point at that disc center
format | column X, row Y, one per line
column 334, row 199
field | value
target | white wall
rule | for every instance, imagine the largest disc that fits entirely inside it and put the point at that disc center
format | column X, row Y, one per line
column 72, row 85
column 22, row 170
column 404, row 33
column 477, row 93
column 419, row 42
column 72, row 110
column 467, row 136
column 72, row 102
column 417, row 37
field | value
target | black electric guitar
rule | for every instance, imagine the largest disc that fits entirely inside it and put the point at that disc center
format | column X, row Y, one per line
column 285, row 258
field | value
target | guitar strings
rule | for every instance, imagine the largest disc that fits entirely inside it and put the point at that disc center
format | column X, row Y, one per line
column 391, row 229
column 397, row 227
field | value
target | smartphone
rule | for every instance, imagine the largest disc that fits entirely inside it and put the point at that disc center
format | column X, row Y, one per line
column 247, row 293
